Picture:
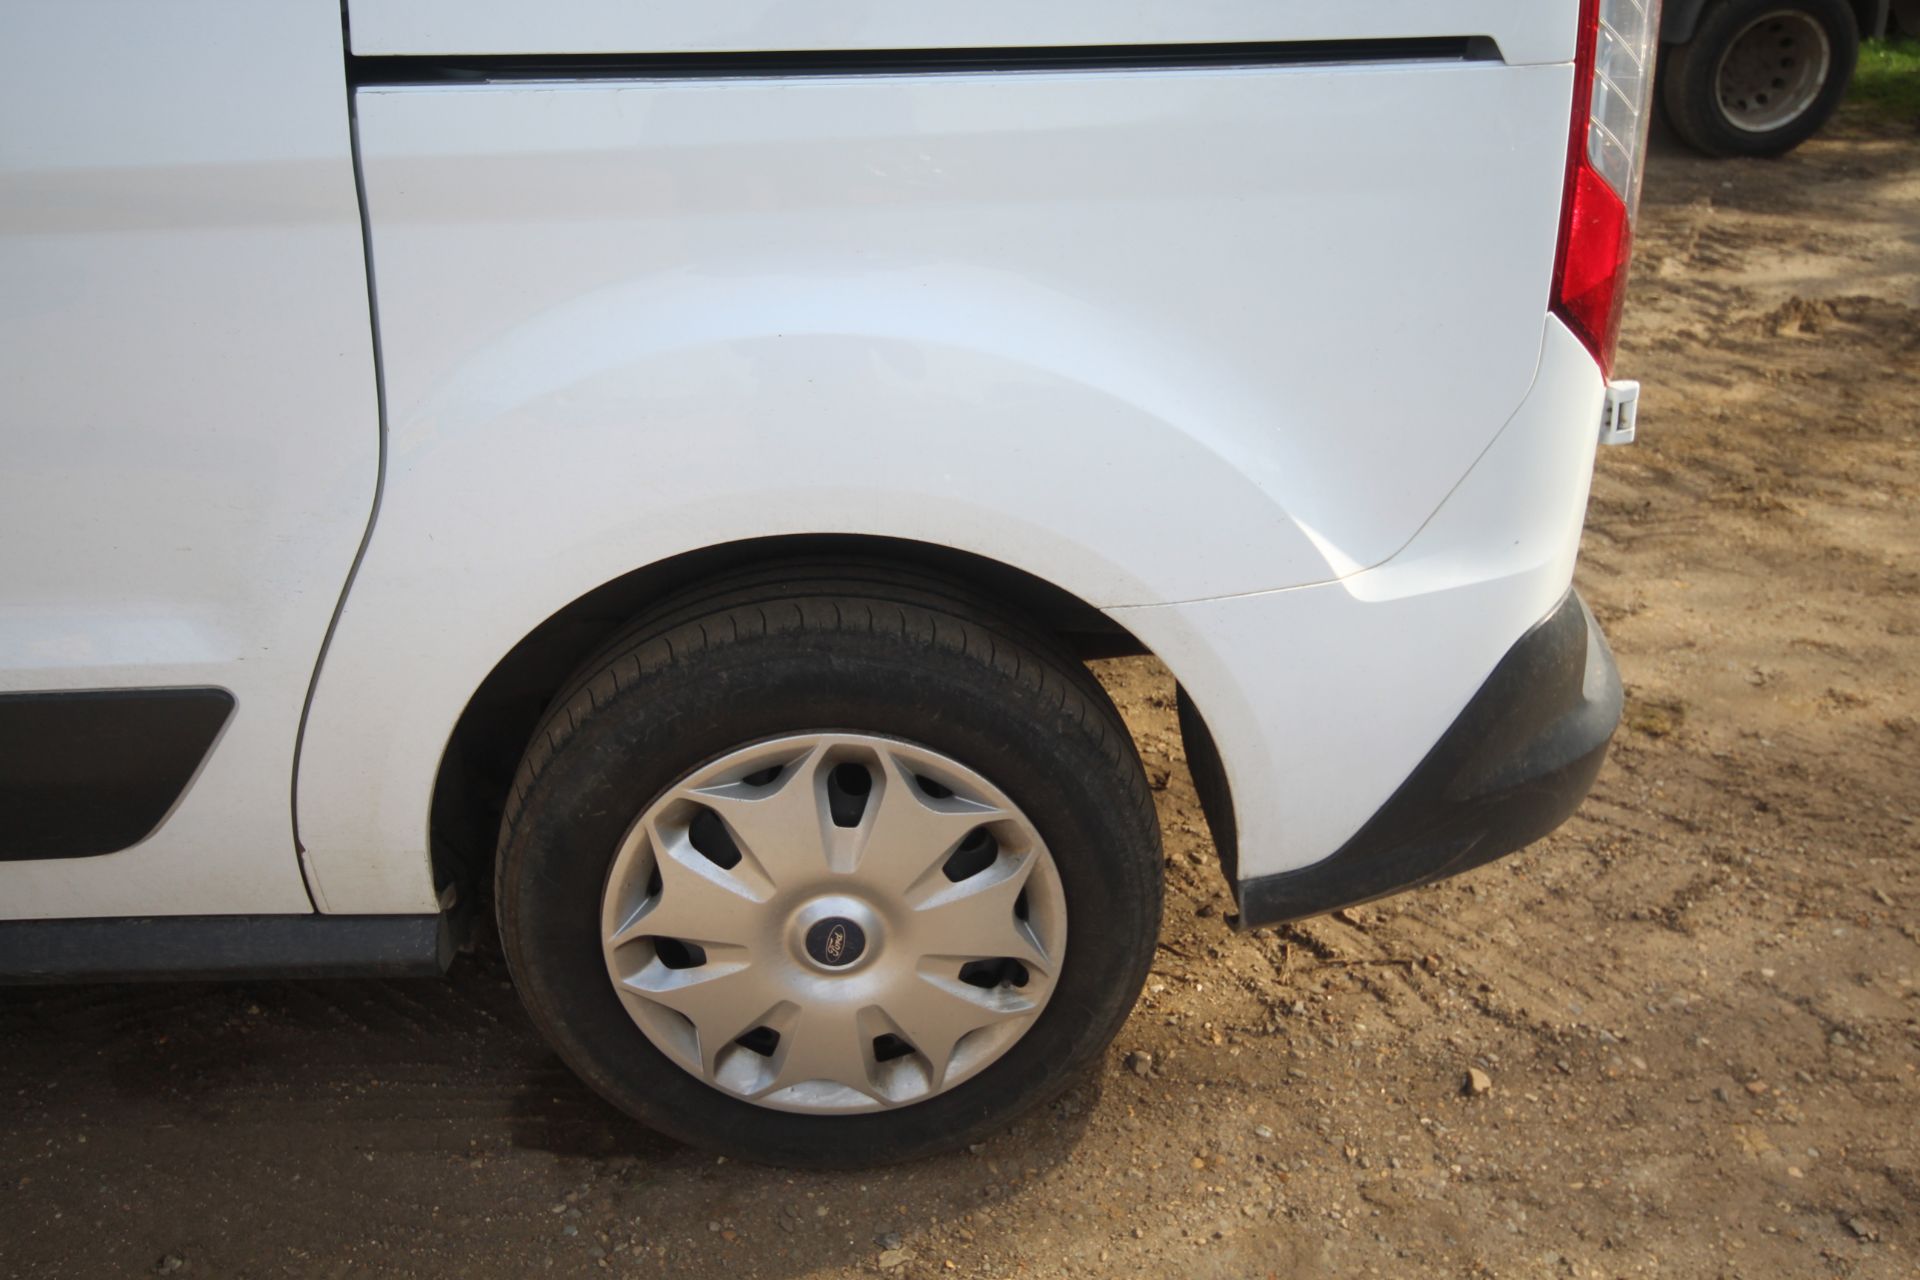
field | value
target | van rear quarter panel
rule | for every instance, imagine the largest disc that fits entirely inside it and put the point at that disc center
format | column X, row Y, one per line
column 1153, row 335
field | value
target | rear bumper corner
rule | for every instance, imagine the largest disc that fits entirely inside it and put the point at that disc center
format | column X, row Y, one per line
column 1513, row 766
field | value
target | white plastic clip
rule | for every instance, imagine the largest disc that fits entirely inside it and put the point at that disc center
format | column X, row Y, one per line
column 1621, row 410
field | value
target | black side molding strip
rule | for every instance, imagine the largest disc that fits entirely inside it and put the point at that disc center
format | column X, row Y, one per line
column 1513, row 766
column 492, row 68
column 224, row 947
column 93, row 771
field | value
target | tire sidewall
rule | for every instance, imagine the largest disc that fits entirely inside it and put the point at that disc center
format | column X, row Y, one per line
column 555, row 863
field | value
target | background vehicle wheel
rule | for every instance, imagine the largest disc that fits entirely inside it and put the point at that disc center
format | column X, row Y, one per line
column 829, row 866
column 1759, row 77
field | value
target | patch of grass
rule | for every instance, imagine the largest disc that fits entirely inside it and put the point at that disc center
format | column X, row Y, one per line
column 1887, row 81
column 1654, row 716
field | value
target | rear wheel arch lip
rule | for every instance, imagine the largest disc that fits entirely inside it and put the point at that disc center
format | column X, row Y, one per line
column 538, row 669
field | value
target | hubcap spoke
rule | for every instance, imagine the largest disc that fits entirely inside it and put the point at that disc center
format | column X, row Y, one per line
column 975, row 919
column 906, row 834
column 825, row 1042
column 697, row 902
column 723, row 999
column 937, row 1012
column 781, row 828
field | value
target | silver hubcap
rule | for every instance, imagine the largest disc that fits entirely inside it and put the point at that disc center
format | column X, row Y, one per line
column 834, row 922
column 1773, row 71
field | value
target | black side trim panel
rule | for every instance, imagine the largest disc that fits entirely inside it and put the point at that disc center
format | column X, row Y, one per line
column 455, row 68
column 1512, row 767
column 95, row 771
column 223, row 947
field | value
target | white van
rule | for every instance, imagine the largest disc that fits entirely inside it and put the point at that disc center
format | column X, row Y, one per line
column 655, row 472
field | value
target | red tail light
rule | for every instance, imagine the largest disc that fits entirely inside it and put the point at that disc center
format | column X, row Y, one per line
column 1606, row 152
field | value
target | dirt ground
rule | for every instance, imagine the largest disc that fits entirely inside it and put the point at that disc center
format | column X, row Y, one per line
column 1695, row 1005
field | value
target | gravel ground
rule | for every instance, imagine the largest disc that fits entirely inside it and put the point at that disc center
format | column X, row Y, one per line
column 1678, row 1038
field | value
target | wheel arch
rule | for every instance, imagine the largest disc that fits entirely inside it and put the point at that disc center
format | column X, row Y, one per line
column 477, row 766
column 1679, row 19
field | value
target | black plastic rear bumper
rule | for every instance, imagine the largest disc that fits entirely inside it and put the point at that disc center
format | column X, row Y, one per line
column 1512, row 767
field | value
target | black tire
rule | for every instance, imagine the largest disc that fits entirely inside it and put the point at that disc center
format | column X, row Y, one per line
column 810, row 647
column 1689, row 72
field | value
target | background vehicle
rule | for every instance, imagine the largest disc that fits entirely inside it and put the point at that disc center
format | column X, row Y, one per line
column 1759, row 77
column 663, row 470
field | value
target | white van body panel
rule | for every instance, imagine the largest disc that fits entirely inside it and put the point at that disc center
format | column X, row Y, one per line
column 190, row 427
column 1526, row 33
column 1323, row 699
column 1158, row 337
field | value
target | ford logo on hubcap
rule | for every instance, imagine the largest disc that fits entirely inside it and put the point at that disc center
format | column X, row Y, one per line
column 835, row 942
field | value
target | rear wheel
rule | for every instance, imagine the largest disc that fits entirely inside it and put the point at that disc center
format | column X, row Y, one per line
column 1759, row 77
column 830, row 866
